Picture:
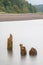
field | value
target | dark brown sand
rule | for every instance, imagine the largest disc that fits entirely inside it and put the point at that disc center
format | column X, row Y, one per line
column 14, row 17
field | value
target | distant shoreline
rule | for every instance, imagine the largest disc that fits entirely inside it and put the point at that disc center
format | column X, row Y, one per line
column 17, row 17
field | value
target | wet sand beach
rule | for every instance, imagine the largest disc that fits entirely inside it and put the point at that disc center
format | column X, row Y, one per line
column 14, row 17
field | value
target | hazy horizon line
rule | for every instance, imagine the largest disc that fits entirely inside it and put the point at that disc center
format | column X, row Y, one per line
column 33, row 3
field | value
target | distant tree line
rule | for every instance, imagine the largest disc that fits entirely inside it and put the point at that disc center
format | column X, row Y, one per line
column 16, row 6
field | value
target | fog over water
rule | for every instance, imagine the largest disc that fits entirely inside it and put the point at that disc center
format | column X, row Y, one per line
column 29, row 33
column 35, row 2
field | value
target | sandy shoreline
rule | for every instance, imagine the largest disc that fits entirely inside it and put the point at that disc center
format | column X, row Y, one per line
column 14, row 17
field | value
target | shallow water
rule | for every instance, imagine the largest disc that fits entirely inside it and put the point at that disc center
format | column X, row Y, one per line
column 29, row 33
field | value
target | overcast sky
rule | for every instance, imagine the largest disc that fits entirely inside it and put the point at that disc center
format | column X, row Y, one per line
column 35, row 2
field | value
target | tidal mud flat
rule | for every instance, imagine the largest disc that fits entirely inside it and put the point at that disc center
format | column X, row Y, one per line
column 15, row 17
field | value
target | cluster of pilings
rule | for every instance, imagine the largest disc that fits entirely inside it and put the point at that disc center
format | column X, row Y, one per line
column 23, row 52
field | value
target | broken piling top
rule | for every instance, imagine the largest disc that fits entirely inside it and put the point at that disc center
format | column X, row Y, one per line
column 21, row 45
column 10, row 42
column 11, row 37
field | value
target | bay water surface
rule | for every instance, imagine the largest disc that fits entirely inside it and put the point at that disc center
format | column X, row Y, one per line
column 29, row 33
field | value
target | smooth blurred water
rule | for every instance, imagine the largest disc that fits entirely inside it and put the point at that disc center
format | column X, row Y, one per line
column 29, row 33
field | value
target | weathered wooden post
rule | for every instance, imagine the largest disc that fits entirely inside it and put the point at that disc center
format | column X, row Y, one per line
column 33, row 52
column 22, row 50
column 10, row 43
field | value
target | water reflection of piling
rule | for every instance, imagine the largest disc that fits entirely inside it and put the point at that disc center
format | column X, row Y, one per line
column 10, row 53
column 9, row 43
